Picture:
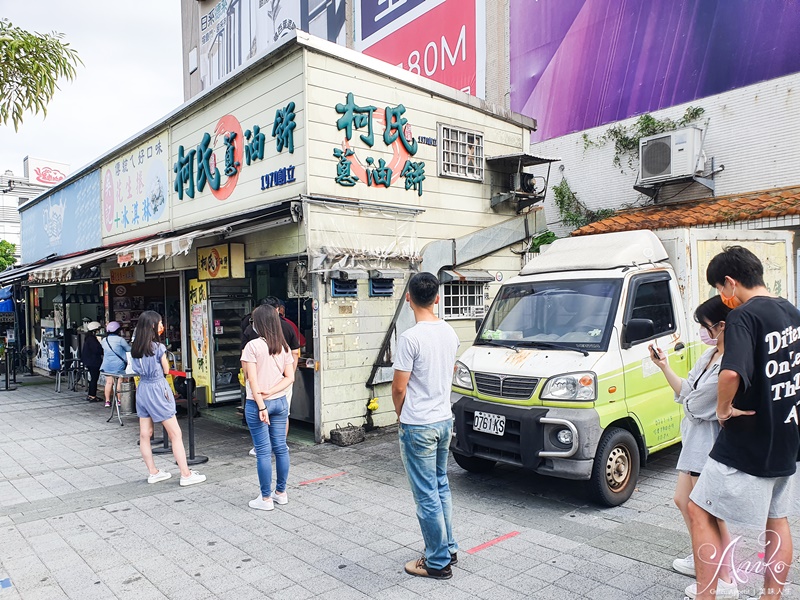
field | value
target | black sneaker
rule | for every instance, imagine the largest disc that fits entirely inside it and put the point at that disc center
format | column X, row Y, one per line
column 420, row 569
column 453, row 557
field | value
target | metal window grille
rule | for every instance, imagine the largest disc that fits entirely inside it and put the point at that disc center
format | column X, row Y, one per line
column 463, row 300
column 460, row 153
column 344, row 288
column 381, row 288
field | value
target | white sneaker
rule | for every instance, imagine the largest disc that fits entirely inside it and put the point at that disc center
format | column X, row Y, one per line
column 252, row 451
column 684, row 565
column 280, row 498
column 160, row 476
column 261, row 504
column 724, row 590
column 195, row 477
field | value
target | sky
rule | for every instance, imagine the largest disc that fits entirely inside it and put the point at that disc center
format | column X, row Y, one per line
column 131, row 77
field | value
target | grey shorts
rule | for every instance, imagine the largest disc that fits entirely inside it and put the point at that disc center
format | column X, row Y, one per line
column 738, row 497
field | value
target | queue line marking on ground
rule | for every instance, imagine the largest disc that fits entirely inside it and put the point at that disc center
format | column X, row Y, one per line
column 490, row 543
column 322, row 478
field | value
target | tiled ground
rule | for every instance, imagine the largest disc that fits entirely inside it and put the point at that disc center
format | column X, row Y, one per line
column 77, row 520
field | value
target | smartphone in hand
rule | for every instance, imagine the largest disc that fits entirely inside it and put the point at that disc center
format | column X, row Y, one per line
column 654, row 353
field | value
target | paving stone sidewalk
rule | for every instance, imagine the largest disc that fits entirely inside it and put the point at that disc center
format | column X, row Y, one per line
column 78, row 520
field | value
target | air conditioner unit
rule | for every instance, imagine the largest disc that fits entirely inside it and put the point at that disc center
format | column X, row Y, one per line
column 671, row 155
column 523, row 183
column 298, row 284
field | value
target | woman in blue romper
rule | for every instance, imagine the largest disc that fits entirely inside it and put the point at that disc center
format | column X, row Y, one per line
column 154, row 399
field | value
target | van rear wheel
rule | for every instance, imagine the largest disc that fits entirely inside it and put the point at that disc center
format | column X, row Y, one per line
column 474, row 464
column 616, row 467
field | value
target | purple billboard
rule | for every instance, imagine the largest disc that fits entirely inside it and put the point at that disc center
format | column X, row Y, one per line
column 577, row 64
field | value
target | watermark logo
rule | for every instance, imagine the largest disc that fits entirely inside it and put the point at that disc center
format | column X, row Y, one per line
column 743, row 571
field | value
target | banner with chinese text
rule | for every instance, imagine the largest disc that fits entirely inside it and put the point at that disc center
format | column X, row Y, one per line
column 234, row 32
column 198, row 330
column 135, row 189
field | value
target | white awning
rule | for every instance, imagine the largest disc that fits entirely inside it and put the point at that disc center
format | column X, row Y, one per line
column 16, row 274
column 165, row 247
column 62, row 270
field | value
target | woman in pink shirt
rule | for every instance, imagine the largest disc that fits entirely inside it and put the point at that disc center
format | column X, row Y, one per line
column 269, row 370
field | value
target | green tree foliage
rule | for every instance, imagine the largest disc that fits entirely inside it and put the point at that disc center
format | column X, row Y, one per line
column 30, row 66
column 573, row 212
column 6, row 254
column 544, row 238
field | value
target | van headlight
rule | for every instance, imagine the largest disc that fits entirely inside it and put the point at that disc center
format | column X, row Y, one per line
column 571, row 386
column 462, row 377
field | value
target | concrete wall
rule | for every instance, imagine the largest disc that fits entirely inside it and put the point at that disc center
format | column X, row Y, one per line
column 190, row 34
column 753, row 131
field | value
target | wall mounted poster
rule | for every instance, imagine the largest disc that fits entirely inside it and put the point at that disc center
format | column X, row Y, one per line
column 198, row 328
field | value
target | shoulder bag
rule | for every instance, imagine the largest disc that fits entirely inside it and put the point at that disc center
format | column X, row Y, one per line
column 128, row 360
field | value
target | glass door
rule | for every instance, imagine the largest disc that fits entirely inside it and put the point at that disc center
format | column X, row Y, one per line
column 226, row 336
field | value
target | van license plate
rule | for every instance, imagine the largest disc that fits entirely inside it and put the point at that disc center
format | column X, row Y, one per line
column 489, row 423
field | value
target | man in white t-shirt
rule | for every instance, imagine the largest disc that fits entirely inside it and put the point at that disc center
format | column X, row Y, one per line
column 423, row 373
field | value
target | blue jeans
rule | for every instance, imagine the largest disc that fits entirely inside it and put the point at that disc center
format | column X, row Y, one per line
column 424, row 450
column 269, row 439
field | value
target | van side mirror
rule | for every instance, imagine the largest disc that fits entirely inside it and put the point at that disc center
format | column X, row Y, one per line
column 637, row 330
column 478, row 323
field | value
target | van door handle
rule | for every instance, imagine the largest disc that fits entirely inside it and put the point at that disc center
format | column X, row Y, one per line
column 679, row 346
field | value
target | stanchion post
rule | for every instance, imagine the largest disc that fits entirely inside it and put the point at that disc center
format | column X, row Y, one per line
column 165, row 448
column 9, row 387
column 192, row 459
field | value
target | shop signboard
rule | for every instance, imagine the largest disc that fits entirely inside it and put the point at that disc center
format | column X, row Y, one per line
column 234, row 32
column 382, row 130
column 571, row 60
column 444, row 40
column 64, row 222
column 44, row 172
column 223, row 261
column 135, row 194
column 130, row 274
column 198, row 328
column 225, row 163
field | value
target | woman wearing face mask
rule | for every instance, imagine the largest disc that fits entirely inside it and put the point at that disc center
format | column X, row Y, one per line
column 698, row 394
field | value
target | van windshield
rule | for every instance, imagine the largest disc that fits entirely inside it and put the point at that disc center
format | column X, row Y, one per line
column 576, row 314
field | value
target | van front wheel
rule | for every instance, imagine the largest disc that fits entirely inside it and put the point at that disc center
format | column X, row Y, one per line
column 474, row 464
column 616, row 467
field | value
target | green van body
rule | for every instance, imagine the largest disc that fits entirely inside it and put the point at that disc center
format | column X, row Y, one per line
column 581, row 321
